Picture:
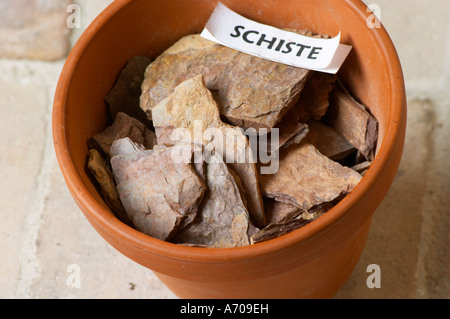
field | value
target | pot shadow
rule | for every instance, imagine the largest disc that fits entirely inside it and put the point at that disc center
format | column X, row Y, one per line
column 398, row 238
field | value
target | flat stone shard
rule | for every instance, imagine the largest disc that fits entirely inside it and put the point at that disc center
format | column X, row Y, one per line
column 192, row 111
column 291, row 131
column 361, row 167
column 328, row 141
column 276, row 230
column 315, row 97
column 306, row 178
column 283, row 218
column 279, row 212
column 160, row 195
column 351, row 119
column 124, row 146
column 125, row 95
column 105, row 179
column 123, row 126
column 250, row 91
column 224, row 221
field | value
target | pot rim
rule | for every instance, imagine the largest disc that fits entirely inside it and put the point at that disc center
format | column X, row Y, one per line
column 173, row 251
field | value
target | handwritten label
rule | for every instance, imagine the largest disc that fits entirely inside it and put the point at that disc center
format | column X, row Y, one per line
column 237, row 32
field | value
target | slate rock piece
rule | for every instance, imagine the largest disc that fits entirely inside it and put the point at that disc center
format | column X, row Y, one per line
column 124, row 146
column 290, row 131
column 125, row 95
column 315, row 97
column 283, row 218
column 192, row 107
column 362, row 167
column 123, row 126
column 224, row 221
column 328, row 141
column 312, row 105
column 250, row 91
column 102, row 173
column 276, row 230
column 352, row 120
column 160, row 194
column 306, row 178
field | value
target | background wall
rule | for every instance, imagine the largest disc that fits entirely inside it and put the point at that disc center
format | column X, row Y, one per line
column 45, row 239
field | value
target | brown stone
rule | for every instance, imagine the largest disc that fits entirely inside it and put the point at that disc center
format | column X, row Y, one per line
column 328, row 141
column 123, row 126
column 224, row 221
column 102, row 173
column 250, row 91
column 283, row 218
column 124, row 146
column 352, row 120
column 290, row 130
column 315, row 97
column 276, row 230
column 160, row 194
column 361, row 167
column 306, row 178
column 191, row 104
column 279, row 212
column 34, row 29
column 125, row 95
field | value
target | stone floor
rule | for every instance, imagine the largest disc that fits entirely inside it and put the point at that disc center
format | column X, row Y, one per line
column 45, row 239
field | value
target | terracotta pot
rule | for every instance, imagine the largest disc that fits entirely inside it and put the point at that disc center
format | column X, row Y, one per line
column 312, row 262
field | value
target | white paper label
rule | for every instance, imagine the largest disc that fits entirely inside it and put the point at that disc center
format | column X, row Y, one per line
column 237, row 32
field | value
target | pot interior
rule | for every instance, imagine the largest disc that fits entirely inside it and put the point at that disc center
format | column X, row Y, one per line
column 147, row 28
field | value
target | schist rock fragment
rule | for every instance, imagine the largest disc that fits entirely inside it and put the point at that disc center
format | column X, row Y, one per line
column 312, row 106
column 306, row 178
column 351, row 120
column 224, row 221
column 280, row 212
column 124, row 146
column 125, row 95
column 123, row 126
column 315, row 97
column 328, row 141
column 362, row 167
column 159, row 194
column 276, row 230
column 193, row 112
column 290, row 130
column 250, row 91
column 283, row 218
column 105, row 180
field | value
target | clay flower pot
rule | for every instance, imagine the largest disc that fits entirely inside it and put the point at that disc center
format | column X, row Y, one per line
column 312, row 262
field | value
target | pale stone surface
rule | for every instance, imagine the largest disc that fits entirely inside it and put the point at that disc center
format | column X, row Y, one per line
column 62, row 251
column 20, row 164
column 408, row 238
column 34, row 29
